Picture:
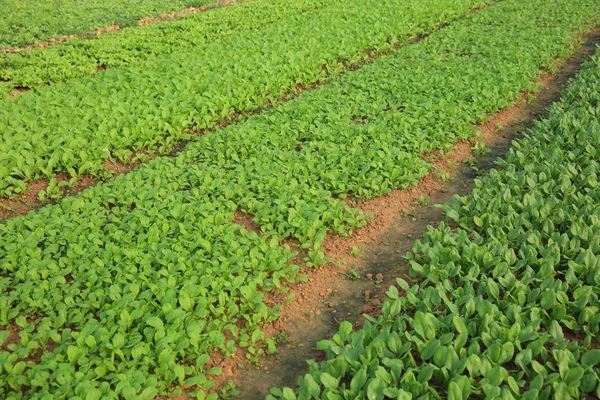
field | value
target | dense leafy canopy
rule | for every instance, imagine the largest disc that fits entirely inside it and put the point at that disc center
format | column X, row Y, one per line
column 82, row 57
column 26, row 22
column 77, row 126
column 130, row 285
column 508, row 301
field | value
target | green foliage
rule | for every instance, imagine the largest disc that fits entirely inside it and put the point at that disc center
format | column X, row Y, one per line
column 507, row 304
column 131, row 284
column 352, row 275
column 26, row 22
column 480, row 149
column 76, row 127
column 79, row 58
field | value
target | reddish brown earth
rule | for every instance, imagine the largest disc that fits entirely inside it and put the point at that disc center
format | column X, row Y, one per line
column 190, row 10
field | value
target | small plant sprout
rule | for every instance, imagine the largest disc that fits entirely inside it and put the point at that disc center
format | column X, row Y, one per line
column 421, row 202
column 355, row 251
column 229, row 391
column 407, row 212
column 470, row 161
column 444, row 176
column 480, row 149
column 282, row 337
column 353, row 275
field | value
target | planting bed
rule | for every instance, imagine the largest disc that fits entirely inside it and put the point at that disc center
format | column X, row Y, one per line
column 128, row 113
column 157, row 280
column 349, row 286
column 25, row 22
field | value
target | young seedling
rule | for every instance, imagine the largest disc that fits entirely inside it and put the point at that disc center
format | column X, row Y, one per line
column 229, row 391
column 289, row 298
column 352, row 275
column 355, row 251
column 480, row 149
column 407, row 213
column 471, row 161
column 6, row 208
column 422, row 202
column 444, row 176
column 282, row 337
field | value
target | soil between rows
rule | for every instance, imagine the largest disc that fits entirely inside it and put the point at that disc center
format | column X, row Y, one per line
column 366, row 264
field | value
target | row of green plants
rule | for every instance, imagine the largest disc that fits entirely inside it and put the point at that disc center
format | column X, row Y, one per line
column 129, row 288
column 26, row 22
column 506, row 300
column 78, row 126
column 78, row 58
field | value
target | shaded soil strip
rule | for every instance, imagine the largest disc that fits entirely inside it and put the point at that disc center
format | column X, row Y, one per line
column 365, row 265
column 29, row 200
column 142, row 22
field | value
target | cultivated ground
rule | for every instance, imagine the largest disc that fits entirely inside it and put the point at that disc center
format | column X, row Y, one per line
column 205, row 200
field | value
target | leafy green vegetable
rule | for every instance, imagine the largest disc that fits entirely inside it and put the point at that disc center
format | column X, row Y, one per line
column 149, row 105
column 130, row 285
column 26, row 22
column 78, row 58
column 507, row 304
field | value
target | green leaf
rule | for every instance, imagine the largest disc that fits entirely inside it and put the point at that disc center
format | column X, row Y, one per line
column 573, row 376
column 288, row 394
column 591, row 358
column 329, row 381
column 375, row 389
column 358, row 381
column 454, row 392
column 155, row 322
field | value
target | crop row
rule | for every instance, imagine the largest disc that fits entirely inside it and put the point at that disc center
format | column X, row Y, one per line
column 28, row 22
column 77, row 126
column 130, row 285
column 82, row 57
column 507, row 304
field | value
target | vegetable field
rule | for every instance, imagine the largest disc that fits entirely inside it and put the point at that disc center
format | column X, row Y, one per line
column 284, row 112
column 28, row 22
column 507, row 300
column 78, row 126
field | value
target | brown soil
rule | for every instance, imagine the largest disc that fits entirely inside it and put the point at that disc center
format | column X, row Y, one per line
column 246, row 221
column 190, row 10
column 366, row 264
column 14, row 337
column 144, row 21
column 29, row 200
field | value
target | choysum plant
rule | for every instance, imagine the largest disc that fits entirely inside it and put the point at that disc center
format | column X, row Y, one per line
column 134, row 282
